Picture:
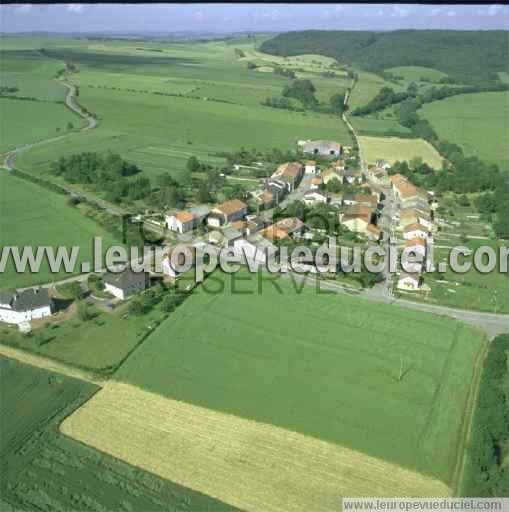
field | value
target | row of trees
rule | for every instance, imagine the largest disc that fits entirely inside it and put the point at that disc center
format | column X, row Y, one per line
column 304, row 91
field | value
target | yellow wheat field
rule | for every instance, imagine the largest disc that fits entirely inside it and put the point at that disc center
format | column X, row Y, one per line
column 253, row 466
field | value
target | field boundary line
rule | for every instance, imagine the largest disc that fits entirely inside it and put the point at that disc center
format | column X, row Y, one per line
column 468, row 421
column 46, row 363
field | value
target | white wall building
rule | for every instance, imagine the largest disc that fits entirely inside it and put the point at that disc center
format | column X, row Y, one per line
column 19, row 307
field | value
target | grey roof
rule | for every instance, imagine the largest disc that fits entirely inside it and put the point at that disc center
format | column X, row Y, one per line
column 125, row 279
column 322, row 145
column 260, row 241
column 26, row 300
column 200, row 211
column 231, row 233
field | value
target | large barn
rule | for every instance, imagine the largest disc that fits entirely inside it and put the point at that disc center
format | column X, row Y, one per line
column 322, row 147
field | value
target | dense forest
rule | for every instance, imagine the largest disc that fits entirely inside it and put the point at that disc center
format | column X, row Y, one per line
column 468, row 57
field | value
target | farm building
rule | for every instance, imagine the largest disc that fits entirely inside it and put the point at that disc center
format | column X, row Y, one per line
column 186, row 220
column 172, row 259
column 357, row 219
column 18, row 307
column 315, row 183
column 226, row 212
column 254, row 248
column 314, row 197
column 289, row 173
column 409, row 216
column 264, row 199
column 124, row 284
column 332, row 174
column 416, row 245
column 322, row 147
column 285, row 228
column 409, row 281
column 310, row 167
column 361, row 199
column 415, row 231
column 352, row 176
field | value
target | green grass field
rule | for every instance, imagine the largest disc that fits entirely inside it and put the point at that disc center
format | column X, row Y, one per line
column 479, row 123
column 157, row 108
column 33, row 216
column 30, row 121
column 44, row 470
column 394, row 148
column 31, row 72
column 378, row 127
column 99, row 344
column 417, row 73
column 323, row 365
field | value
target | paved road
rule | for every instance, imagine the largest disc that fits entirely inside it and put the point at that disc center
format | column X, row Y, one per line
column 492, row 324
column 70, row 101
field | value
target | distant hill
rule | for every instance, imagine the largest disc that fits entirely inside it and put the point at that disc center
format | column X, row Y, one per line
column 466, row 56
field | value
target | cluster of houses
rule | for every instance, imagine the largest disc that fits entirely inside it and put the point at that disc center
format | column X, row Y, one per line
column 415, row 222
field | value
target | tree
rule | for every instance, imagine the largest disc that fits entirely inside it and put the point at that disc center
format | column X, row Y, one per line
column 70, row 126
column 193, row 164
column 463, row 200
column 302, row 90
column 73, row 291
column 337, row 103
column 83, row 311
column 137, row 306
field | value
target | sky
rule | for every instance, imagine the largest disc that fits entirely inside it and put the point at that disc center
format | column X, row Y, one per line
column 224, row 18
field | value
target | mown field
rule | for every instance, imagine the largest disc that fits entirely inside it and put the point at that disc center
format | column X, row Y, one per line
column 394, row 148
column 479, row 123
column 44, row 470
column 275, row 469
column 33, row 216
column 307, row 362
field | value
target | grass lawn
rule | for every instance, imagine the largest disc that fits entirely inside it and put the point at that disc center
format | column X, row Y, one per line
column 322, row 365
column 29, row 121
column 479, row 123
column 98, row 344
column 33, row 216
column 44, row 470
column 394, row 148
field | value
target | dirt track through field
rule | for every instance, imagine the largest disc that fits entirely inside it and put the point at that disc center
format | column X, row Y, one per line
column 48, row 364
column 254, row 466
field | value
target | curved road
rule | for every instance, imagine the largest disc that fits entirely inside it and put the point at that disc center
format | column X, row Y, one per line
column 492, row 324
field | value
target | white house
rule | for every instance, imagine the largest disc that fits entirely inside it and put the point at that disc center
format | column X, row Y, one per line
column 310, row 167
column 255, row 248
column 417, row 246
column 18, row 307
column 313, row 197
column 186, row 220
column 409, row 281
column 415, row 231
column 126, row 283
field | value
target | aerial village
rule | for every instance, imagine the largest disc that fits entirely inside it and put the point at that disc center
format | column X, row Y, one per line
column 371, row 205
